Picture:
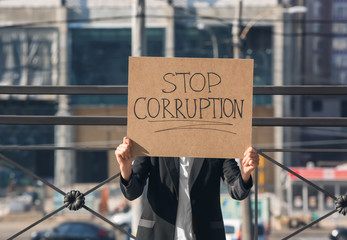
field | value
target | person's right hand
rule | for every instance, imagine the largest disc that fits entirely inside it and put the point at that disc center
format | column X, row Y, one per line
column 125, row 158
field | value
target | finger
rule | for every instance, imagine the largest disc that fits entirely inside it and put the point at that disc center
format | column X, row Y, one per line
column 125, row 151
column 123, row 147
column 251, row 151
column 127, row 141
column 119, row 156
column 253, row 164
column 250, row 162
column 120, row 152
column 128, row 148
column 120, row 149
column 248, row 150
column 245, row 161
column 128, row 153
column 253, row 157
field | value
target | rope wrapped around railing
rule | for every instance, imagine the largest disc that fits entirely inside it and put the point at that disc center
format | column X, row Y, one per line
column 341, row 204
column 74, row 200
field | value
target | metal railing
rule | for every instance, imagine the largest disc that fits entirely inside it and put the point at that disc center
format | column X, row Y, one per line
column 75, row 200
column 340, row 202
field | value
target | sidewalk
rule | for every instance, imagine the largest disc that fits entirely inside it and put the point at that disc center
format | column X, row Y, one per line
column 16, row 222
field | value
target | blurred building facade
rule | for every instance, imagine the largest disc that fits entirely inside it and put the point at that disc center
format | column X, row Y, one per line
column 97, row 36
column 319, row 39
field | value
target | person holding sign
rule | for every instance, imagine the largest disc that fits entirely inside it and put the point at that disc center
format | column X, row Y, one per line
column 183, row 193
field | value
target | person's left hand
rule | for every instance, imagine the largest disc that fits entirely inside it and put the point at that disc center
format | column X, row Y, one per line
column 249, row 162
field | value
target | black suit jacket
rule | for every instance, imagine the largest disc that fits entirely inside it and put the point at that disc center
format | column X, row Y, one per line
column 159, row 215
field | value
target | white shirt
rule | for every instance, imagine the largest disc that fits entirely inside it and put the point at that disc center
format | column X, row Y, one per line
column 184, row 226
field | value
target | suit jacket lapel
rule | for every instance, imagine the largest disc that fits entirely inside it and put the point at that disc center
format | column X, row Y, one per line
column 172, row 165
column 194, row 172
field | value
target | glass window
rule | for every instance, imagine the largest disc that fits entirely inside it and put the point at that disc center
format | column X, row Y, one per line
column 229, row 229
column 100, row 57
column 38, row 161
column 192, row 42
column 257, row 46
column 317, row 105
column 312, row 198
column 340, row 10
column 317, row 9
column 343, row 190
column 63, row 229
column 340, row 61
column 339, row 28
column 329, row 203
column 297, row 197
column 81, row 230
column 28, row 56
column 340, row 77
column 93, row 168
column 344, row 109
column 316, row 27
column 339, row 44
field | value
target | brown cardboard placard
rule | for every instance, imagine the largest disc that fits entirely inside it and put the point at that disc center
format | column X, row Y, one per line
column 190, row 107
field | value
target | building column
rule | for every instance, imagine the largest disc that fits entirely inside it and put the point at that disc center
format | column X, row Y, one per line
column 138, row 49
column 278, row 101
column 64, row 171
column 170, row 31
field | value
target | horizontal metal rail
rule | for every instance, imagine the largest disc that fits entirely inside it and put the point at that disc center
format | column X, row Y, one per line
column 47, row 148
column 301, row 90
column 318, row 150
column 122, row 121
column 123, row 90
column 110, row 148
column 66, row 90
column 57, row 120
column 300, row 121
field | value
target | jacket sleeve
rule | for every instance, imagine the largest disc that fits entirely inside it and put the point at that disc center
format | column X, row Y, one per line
column 232, row 178
column 133, row 188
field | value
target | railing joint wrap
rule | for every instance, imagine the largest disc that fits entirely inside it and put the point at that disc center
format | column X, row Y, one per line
column 341, row 204
column 74, row 200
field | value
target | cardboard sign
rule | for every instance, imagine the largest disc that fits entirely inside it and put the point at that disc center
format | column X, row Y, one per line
column 190, row 107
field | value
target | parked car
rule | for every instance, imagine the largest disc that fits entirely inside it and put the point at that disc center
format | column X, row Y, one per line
column 122, row 218
column 338, row 234
column 75, row 231
column 233, row 229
